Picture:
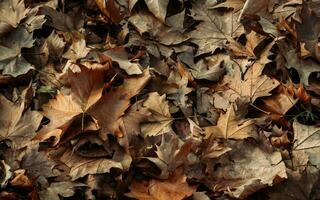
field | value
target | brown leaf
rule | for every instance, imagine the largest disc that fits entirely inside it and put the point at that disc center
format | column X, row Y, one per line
column 245, row 170
column 37, row 163
column 119, row 55
column 86, row 90
column 111, row 107
column 230, row 127
column 16, row 126
column 175, row 187
column 110, row 10
column 81, row 166
column 160, row 120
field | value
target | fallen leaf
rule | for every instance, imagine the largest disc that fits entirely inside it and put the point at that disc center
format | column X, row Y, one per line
column 115, row 103
column 37, row 163
column 17, row 126
column 158, row 8
column 160, row 119
column 57, row 189
column 175, row 187
column 12, row 62
column 229, row 127
column 77, row 50
column 246, row 174
column 86, row 90
column 81, row 166
column 120, row 56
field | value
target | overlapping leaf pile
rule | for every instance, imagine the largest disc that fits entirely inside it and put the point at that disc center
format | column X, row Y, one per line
column 159, row 100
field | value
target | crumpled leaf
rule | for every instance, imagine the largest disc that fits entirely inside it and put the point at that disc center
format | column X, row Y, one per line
column 16, row 125
column 110, row 10
column 158, row 8
column 5, row 173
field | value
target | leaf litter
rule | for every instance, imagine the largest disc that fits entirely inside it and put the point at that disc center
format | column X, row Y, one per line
column 159, row 99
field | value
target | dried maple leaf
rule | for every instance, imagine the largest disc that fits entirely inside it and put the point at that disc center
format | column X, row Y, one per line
column 305, row 137
column 160, row 120
column 17, row 127
column 12, row 12
column 81, row 166
column 230, row 127
column 172, row 153
column 253, row 84
column 61, row 111
column 245, row 170
column 57, row 189
column 11, row 60
column 175, row 188
column 214, row 28
column 86, row 90
column 111, row 106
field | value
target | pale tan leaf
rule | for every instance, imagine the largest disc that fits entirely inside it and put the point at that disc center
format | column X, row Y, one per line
column 229, row 127
column 16, row 126
column 81, row 166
